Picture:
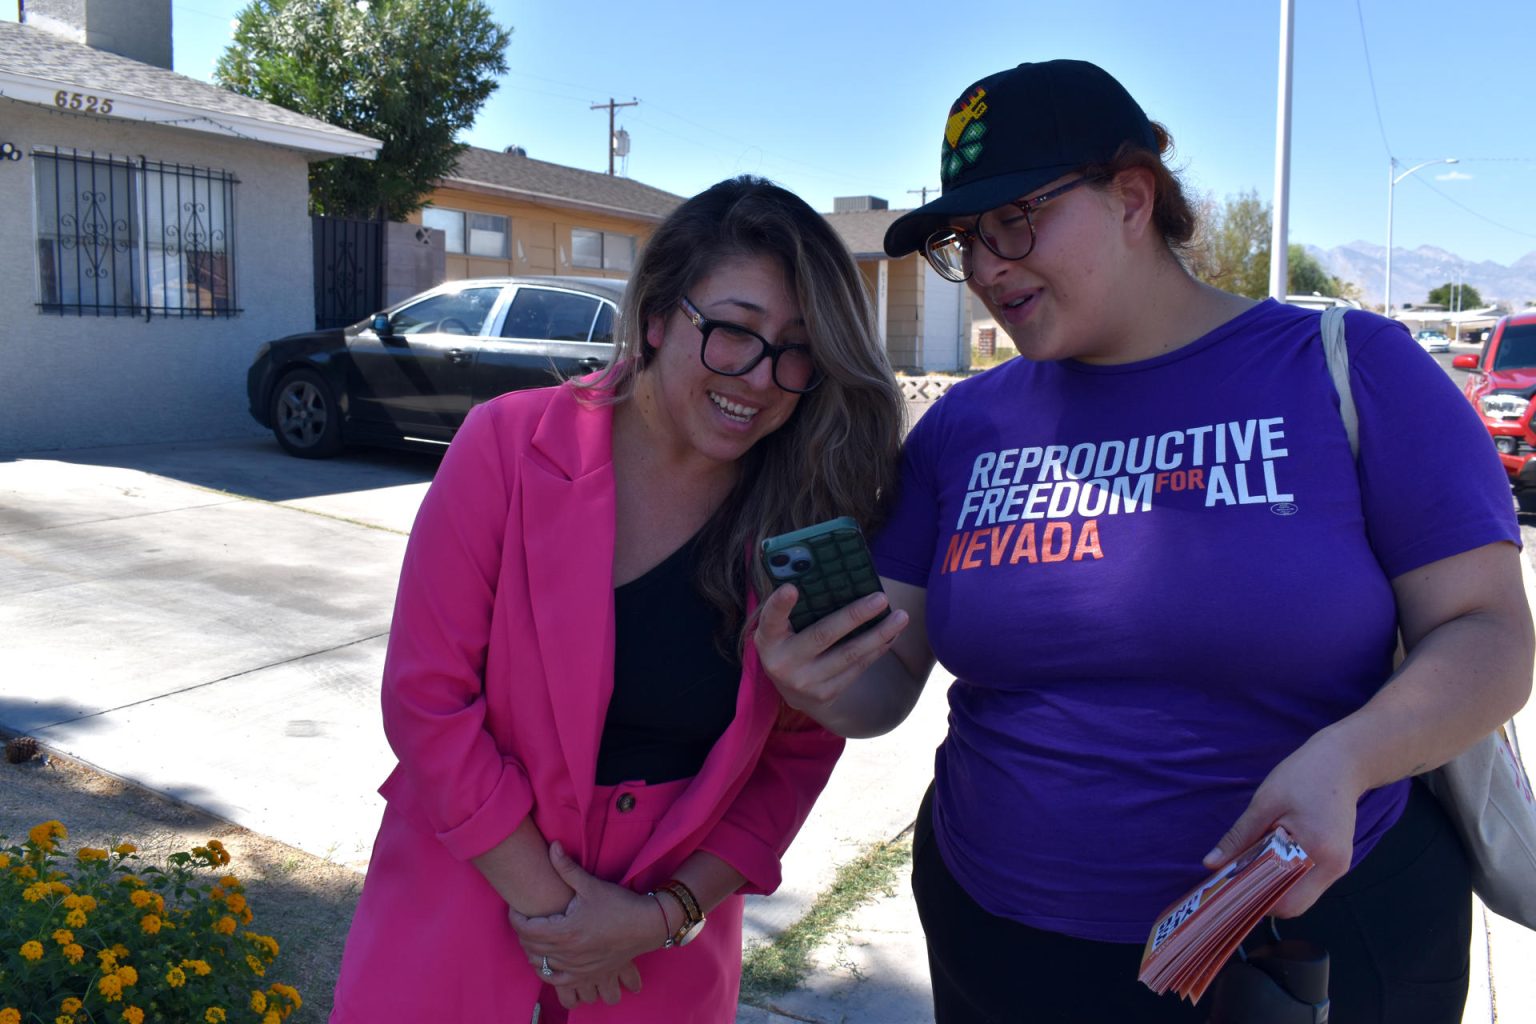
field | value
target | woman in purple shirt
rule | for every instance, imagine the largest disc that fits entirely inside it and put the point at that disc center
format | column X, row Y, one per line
column 1169, row 593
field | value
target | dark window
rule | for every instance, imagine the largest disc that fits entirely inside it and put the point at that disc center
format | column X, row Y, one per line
column 1517, row 348
column 460, row 312
column 603, row 330
column 133, row 238
column 550, row 316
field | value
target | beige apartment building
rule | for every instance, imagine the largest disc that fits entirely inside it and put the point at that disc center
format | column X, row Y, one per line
column 506, row 213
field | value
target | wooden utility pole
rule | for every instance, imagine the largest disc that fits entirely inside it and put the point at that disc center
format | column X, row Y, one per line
column 922, row 192
column 612, row 106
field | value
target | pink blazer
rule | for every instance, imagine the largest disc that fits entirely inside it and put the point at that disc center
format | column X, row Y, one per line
column 499, row 671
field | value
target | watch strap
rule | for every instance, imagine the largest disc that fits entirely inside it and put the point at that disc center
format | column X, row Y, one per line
column 686, row 897
column 693, row 914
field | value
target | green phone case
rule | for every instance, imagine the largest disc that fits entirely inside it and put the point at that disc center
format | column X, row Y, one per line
column 830, row 566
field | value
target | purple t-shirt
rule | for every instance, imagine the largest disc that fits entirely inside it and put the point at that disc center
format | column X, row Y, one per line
column 1154, row 581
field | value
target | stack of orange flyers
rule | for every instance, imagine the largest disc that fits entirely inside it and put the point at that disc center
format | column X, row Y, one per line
column 1194, row 937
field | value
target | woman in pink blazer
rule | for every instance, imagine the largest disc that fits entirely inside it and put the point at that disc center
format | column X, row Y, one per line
column 591, row 761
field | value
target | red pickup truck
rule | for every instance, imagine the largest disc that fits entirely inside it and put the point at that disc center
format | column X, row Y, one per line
column 1500, row 386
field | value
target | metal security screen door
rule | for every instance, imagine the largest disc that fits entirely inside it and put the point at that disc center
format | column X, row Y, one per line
column 349, row 270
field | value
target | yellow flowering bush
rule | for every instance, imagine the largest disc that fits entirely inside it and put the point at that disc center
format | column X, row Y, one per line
column 99, row 938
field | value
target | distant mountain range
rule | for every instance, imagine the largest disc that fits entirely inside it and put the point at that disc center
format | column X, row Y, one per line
column 1415, row 272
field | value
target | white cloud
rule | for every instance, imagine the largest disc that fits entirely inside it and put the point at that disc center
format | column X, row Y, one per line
column 1454, row 176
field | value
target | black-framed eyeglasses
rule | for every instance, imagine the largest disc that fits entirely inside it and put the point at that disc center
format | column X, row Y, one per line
column 1008, row 232
column 732, row 350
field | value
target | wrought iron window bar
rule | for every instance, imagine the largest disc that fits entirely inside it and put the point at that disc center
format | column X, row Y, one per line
column 134, row 237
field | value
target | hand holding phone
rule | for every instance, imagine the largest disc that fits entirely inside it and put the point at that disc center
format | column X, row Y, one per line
column 830, row 566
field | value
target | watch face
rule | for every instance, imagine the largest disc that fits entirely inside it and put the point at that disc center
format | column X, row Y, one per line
column 691, row 931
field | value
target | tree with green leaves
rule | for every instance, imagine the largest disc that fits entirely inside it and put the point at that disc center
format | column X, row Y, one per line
column 410, row 73
column 1307, row 276
column 1462, row 296
column 1232, row 250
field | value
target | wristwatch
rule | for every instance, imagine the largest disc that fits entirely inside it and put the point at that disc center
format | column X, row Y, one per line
column 693, row 916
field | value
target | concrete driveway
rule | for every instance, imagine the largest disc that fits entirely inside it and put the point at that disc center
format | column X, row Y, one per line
column 166, row 608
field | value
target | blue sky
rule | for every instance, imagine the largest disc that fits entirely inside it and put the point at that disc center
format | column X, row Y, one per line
column 837, row 99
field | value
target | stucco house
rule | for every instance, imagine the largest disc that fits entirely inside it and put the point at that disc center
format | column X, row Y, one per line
column 154, row 230
column 924, row 319
column 507, row 213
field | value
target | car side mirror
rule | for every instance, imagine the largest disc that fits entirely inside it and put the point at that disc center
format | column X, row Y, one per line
column 381, row 325
column 1465, row 361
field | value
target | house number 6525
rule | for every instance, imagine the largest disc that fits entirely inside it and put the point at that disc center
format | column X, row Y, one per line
column 83, row 102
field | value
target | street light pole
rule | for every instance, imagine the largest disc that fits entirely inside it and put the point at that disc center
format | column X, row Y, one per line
column 1279, row 247
column 1392, row 179
column 1456, row 306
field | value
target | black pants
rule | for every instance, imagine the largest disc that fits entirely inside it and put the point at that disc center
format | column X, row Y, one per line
column 1397, row 929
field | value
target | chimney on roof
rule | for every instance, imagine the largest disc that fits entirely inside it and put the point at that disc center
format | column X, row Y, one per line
column 856, row 204
column 515, row 150
column 137, row 29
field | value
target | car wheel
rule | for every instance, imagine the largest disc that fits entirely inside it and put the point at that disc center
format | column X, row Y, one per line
column 305, row 417
column 1526, row 499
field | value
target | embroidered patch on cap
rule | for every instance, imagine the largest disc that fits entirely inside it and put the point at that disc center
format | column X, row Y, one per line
column 962, row 134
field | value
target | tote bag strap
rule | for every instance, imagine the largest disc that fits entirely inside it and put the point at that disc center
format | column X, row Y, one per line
column 1338, row 369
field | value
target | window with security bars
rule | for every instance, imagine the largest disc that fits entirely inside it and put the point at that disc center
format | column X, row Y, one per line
column 120, row 237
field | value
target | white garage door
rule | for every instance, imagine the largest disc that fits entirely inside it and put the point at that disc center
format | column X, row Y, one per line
column 941, row 336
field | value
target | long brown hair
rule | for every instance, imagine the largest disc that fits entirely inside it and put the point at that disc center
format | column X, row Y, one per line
column 837, row 453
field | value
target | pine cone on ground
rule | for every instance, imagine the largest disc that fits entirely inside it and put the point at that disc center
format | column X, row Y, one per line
column 19, row 749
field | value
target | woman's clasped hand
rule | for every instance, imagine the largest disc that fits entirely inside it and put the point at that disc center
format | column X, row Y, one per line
column 590, row 947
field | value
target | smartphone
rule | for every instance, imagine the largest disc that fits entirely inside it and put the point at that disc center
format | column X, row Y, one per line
column 830, row 566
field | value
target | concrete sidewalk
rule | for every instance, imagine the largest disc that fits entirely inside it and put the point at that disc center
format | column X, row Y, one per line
column 147, row 593
column 209, row 621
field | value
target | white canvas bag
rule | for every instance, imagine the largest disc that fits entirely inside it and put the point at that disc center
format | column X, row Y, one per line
column 1485, row 790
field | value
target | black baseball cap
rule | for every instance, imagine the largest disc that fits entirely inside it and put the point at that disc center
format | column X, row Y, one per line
column 1017, row 130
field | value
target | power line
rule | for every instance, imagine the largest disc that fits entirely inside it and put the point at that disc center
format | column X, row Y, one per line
column 1473, row 212
column 824, row 172
column 821, row 173
column 184, row 8
column 1370, row 76
column 543, row 92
